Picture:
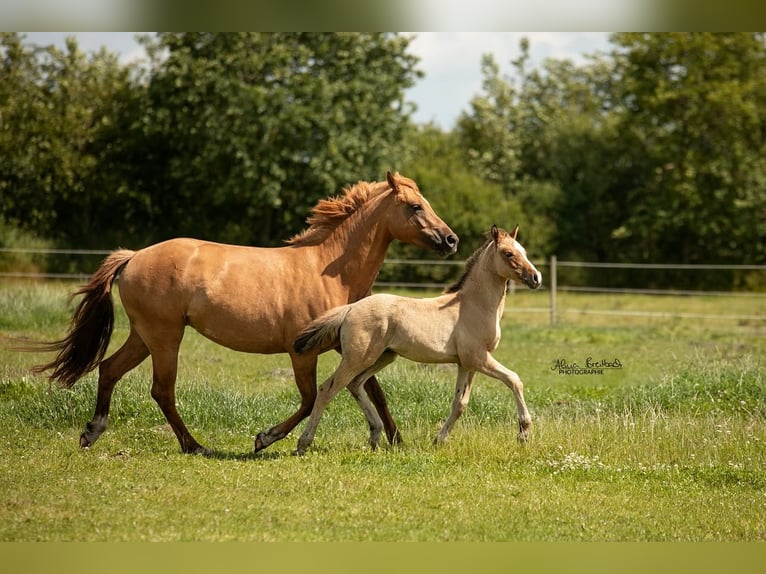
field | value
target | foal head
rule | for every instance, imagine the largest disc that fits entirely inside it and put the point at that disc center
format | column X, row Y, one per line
column 412, row 220
column 511, row 258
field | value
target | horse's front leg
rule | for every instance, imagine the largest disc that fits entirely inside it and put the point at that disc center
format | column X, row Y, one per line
column 459, row 402
column 305, row 370
column 493, row 368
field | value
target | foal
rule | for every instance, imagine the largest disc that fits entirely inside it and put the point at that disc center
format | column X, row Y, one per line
column 461, row 326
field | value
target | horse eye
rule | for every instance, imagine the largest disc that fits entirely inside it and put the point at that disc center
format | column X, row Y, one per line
column 508, row 254
column 416, row 207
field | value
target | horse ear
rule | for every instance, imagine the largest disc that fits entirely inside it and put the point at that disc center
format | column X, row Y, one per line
column 495, row 233
column 392, row 181
column 514, row 232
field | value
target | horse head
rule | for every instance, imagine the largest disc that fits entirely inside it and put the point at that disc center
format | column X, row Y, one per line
column 414, row 221
column 511, row 258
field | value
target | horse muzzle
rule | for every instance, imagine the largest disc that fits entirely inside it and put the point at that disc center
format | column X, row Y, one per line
column 445, row 242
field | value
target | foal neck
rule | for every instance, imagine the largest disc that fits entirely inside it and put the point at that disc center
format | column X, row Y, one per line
column 483, row 285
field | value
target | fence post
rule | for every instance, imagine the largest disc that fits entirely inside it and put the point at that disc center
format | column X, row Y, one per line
column 553, row 289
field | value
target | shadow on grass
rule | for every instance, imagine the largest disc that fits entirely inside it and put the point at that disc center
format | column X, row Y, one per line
column 246, row 456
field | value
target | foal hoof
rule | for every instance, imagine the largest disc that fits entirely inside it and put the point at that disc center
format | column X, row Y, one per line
column 84, row 441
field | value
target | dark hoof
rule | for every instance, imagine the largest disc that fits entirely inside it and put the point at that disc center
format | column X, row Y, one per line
column 259, row 444
column 84, row 442
column 396, row 440
column 195, row 448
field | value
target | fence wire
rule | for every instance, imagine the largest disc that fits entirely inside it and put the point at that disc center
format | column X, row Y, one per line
column 553, row 288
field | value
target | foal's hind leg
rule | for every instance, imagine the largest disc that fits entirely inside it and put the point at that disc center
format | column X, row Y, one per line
column 372, row 387
column 349, row 371
column 111, row 370
column 356, row 387
column 360, row 392
column 462, row 395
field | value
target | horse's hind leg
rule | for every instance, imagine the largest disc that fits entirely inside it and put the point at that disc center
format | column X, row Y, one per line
column 110, row 371
column 165, row 365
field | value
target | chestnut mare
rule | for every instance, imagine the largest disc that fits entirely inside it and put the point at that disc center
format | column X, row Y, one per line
column 462, row 326
column 246, row 298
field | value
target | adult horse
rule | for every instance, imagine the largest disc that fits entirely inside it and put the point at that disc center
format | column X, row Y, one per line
column 246, row 298
column 461, row 326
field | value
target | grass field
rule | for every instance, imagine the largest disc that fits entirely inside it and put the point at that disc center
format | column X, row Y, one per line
column 670, row 447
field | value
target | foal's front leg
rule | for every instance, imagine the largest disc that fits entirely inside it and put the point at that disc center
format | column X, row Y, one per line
column 459, row 403
column 493, row 368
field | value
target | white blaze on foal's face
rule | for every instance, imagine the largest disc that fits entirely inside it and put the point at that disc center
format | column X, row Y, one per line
column 515, row 264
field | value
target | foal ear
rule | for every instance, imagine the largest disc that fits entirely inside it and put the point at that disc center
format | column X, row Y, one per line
column 392, row 181
column 495, row 233
column 514, row 232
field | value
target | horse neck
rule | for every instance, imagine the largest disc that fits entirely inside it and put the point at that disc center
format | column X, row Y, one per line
column 355, row 251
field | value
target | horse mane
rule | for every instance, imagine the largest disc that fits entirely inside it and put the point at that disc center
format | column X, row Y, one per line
column 469, row 265
column 328, row 214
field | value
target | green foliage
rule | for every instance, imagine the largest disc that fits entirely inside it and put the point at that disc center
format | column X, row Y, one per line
column 53, row 104
column 651, row 152
column 248, row 130
column 654, row 152
column 225, row 136
column 692, row 108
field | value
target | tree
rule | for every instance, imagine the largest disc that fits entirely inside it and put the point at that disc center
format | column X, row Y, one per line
column 654, row 152
column 52, row 105
column 692, row 109
column 240, row 134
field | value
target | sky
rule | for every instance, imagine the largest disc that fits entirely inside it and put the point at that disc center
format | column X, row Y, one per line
column 451, row 61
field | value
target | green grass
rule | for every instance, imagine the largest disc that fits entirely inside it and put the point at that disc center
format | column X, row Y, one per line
column 670, row 447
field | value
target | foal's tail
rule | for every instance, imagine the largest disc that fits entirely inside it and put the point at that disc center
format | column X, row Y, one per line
column 91, row 327
column 323, row 332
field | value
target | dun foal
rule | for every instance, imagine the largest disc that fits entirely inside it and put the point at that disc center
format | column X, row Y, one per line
column 461, row 326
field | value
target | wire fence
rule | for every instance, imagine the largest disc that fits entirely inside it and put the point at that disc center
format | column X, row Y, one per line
column 554, row 308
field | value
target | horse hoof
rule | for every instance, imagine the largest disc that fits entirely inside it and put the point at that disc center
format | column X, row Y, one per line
column 259, row 442
column 84, row 442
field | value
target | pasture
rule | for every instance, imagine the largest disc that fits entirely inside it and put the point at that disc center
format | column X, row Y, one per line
column 671, row 446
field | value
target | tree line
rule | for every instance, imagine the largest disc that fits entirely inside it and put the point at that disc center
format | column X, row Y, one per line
column 650, row 152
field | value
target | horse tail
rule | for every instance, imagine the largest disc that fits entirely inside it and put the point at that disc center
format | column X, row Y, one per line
column 323, row 332
column 91, row 327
